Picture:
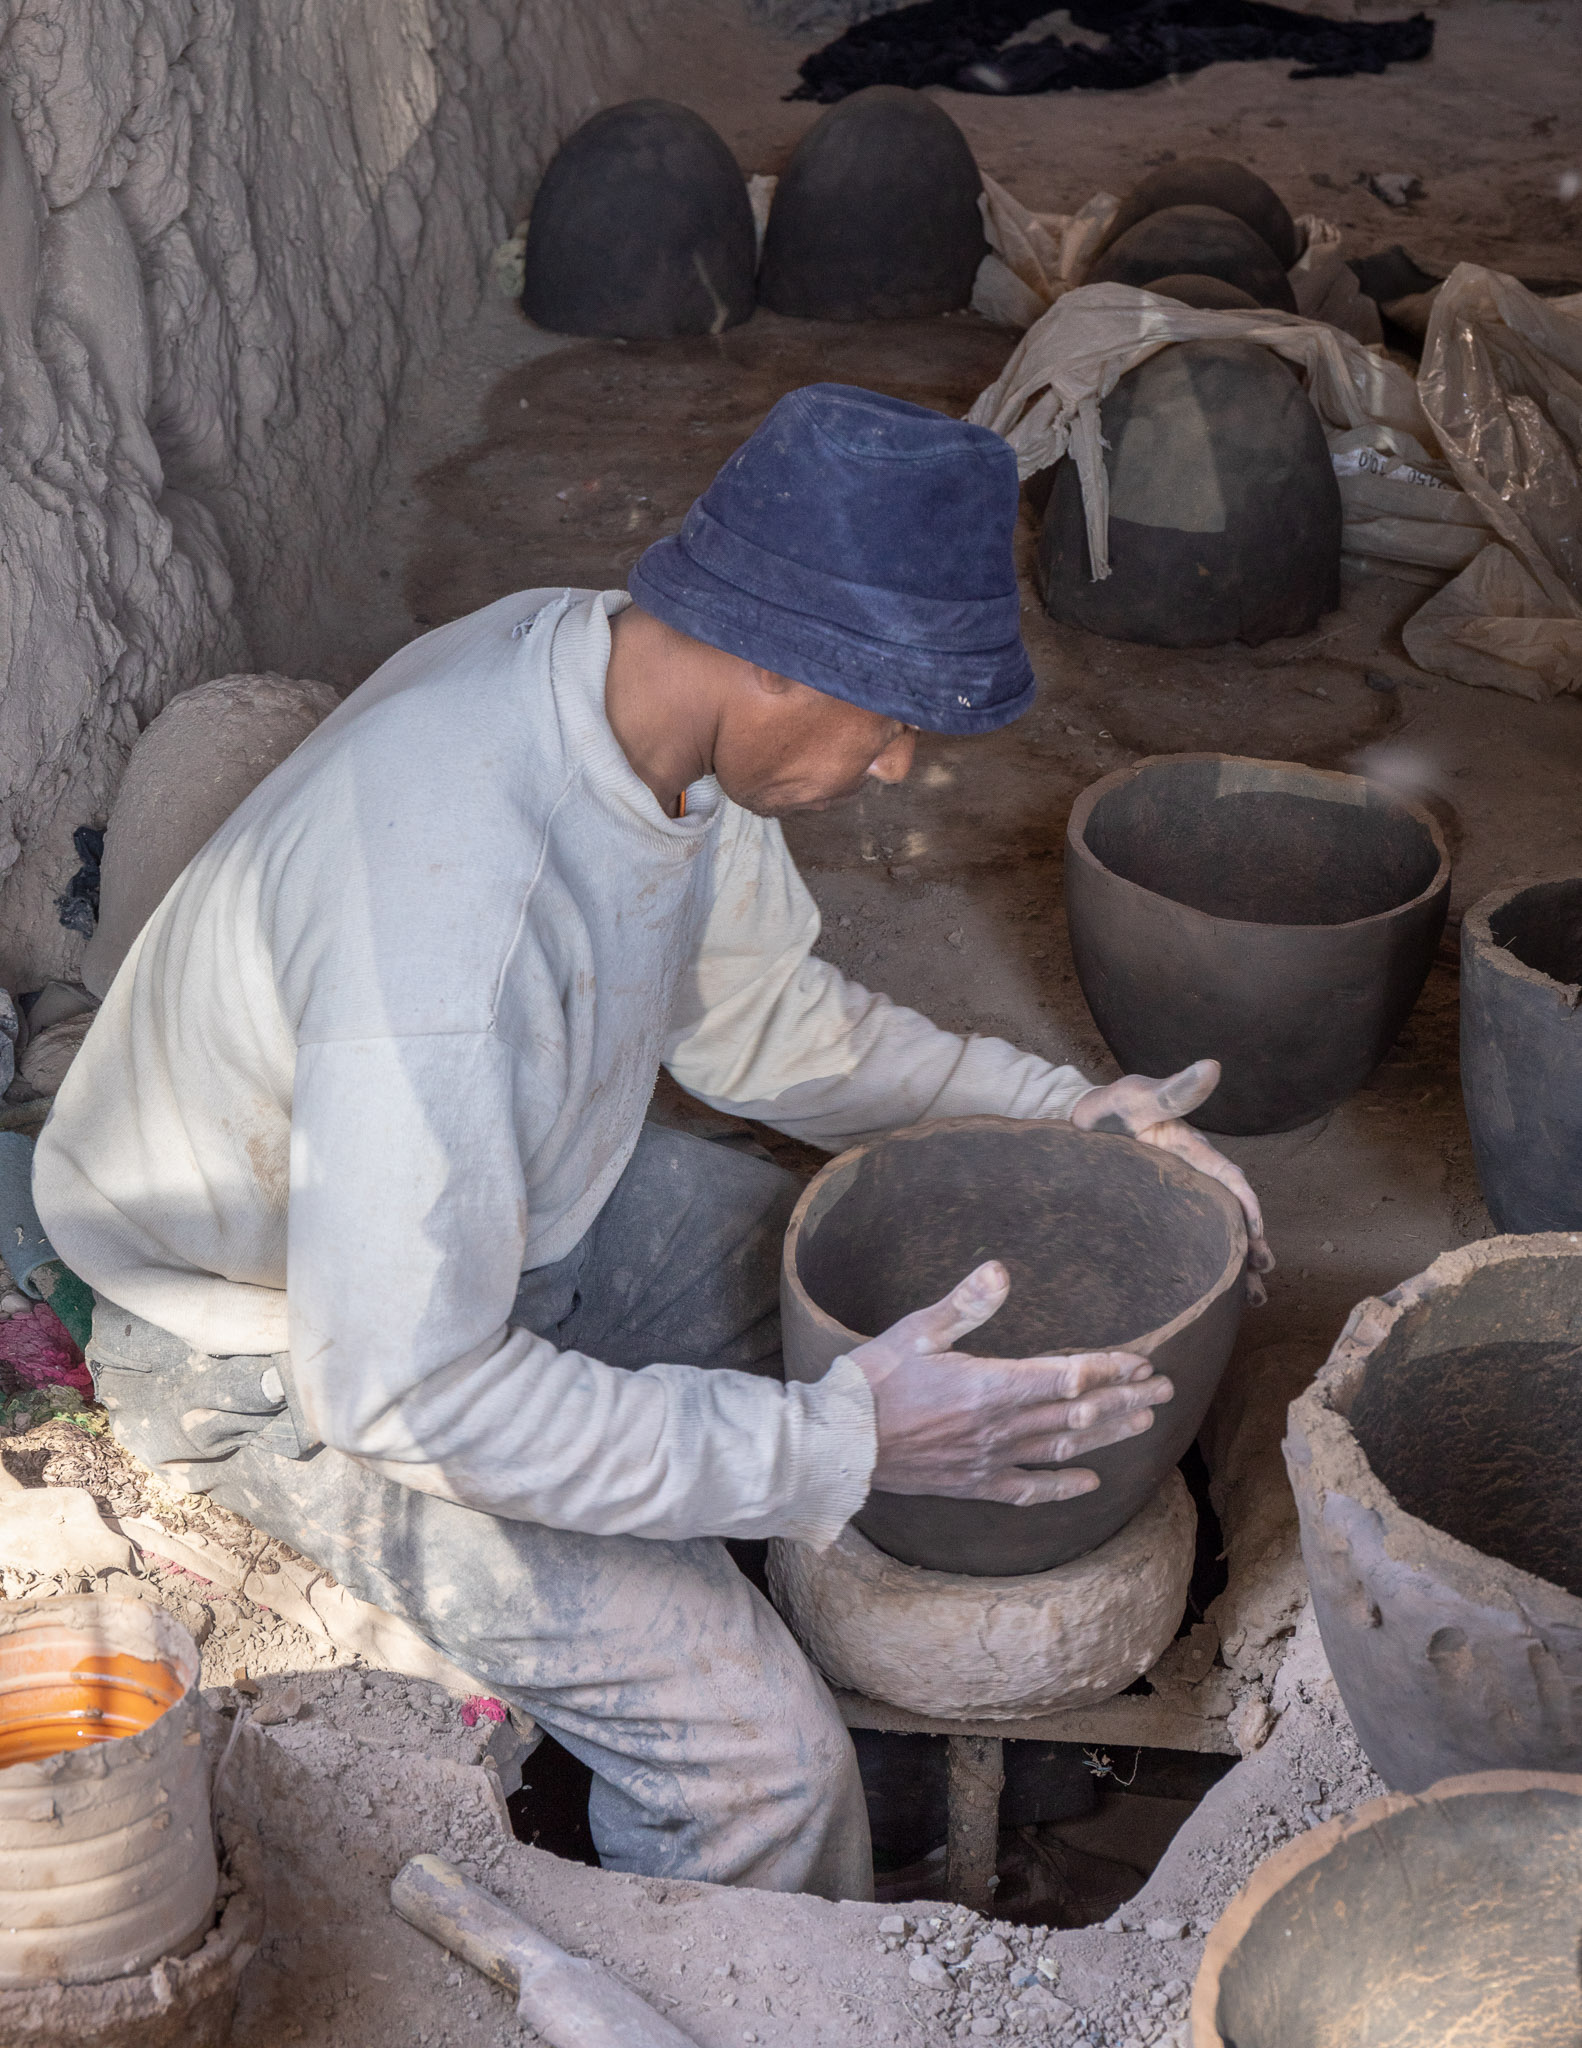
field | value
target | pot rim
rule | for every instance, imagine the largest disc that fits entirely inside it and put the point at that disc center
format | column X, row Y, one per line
column 1186, row 1175
column 1477, row 936
column 1082, row 810
column 1314, row 1416
column 1285, row 1864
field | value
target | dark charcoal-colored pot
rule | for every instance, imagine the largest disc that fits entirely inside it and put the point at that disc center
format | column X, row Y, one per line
column 1211, row 181
column 1279, row 919
column 1412, row 1923
column 1111, row 1245
column 641, row 228
column 1208, row 294
column 1202, row 240
column 876, row 217
column 1521, row 1052
column 1437, row 1467
column 1224, row 513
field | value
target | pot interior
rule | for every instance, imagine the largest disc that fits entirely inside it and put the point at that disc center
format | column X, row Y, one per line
column 1453, row 1920
column 1105, row 1240
column 1263, row 842
column 1542, row 927
column 1470, row 1413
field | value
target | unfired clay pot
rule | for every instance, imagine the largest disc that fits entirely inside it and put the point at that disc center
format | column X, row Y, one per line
column 641, row 228
column 1521, row 1052
column 1437, row 1466
column 1279, row 919
column 968, row 1648
column 1211, row 181
column 1224, row 518
column 876, row 216
column 1447, row 1919
column 1202, row 240
column 1111, row 1245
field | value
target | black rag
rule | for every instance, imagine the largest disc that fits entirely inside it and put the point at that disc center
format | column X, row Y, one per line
column 959, row 43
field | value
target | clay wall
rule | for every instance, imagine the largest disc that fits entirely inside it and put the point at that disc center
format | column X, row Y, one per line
column 231, row 233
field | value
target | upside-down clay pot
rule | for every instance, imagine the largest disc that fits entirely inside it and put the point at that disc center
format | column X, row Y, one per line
column 1437, row 1467
column 1211, row 181
column 641, row 229
column 876, row 216
column 1201, row 240
column 1277, row 918
column 1208, row 294
column 1428, row 1922
column 1224, row 513
column 1521, row 1052
column 1110, row 1244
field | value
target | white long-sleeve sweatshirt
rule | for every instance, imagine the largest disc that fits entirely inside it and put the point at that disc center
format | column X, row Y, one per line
column 389, row 1041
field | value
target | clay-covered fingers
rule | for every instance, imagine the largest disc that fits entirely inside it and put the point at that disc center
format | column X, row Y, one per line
column 928, row 1332
column 1196, row 1150
column 1136, row 1101
column 1062, row 1430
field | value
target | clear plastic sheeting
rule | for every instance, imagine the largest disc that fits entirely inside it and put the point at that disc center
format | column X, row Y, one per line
column 1501, row 381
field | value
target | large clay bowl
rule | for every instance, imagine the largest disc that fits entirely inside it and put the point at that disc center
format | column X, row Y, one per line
column 1413, row 1923
column 1521, row 1052
column 1111, row 1245
column 1211, row 181
column 1276, row 918
column 1437, row 1467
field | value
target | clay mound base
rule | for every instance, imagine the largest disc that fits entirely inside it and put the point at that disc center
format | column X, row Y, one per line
column 964, row 1648
column 182, row 2002
column 1413, row 1923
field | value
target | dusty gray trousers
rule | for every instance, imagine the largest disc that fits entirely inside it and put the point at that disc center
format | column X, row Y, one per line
column 716, row 1750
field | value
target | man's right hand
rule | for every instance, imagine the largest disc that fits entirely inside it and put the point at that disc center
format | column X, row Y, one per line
column 969, row 1427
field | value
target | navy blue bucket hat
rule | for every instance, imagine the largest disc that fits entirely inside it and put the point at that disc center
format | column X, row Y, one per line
column 862, row 546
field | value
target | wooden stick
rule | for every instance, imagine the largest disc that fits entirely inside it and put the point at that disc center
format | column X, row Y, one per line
column 572, row 2003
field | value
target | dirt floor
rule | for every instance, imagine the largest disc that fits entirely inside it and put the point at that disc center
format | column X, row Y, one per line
column 532, row 461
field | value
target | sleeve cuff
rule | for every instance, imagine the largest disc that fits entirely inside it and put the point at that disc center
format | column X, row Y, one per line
column 839, row 1443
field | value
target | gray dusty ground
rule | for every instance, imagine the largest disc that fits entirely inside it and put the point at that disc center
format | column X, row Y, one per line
column 531, row 462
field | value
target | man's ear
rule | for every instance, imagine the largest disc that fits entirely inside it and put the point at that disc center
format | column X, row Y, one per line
column 773, row 684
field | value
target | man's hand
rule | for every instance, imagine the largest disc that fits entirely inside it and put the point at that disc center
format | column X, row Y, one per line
column 968, row 1427
column 1137, row 1107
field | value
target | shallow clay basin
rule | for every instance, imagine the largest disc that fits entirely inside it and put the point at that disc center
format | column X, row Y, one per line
column 1277, row 918
column 1451, row 1918
column 1521, row 1052
column 1110, row 1245
column 1437, row 1467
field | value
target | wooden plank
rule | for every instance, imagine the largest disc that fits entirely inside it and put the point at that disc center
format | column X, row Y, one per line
column 1130, row 1721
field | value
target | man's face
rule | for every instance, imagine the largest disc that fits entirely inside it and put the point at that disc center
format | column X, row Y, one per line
column 784, row 747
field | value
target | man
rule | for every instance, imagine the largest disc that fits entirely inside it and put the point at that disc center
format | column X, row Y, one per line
column 355, row 1153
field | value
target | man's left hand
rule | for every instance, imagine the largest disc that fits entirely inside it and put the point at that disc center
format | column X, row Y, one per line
column 1150, row 1111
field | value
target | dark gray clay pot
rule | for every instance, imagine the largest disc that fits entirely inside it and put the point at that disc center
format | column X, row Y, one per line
column 1437, row 1467
column 1212, row 181
column 1224, row 512
column 1412, row 1923
column 1521, row 1052
column 876, row 217
column 1111, row 1245
column 1208, row 294
column 1277, row 918
column 641, row 228
column 1200, row 239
